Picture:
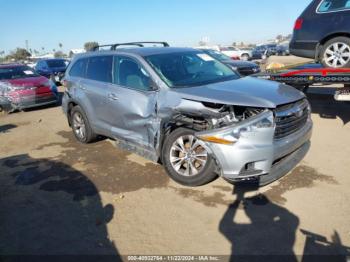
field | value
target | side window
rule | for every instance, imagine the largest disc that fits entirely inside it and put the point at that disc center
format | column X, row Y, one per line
column 39, row 65
column 100, row 68
column 79, row 68
column 129, row 73
column 334, row 5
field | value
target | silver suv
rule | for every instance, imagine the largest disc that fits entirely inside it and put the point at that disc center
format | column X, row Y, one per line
column 184, row 109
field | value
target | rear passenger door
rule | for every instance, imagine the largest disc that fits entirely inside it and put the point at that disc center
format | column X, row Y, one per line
column 95, row 86
column 132, row 103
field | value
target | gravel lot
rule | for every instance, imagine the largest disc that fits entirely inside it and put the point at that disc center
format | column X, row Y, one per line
column 61, row 197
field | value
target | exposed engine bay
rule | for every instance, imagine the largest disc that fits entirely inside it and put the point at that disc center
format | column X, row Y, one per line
column 207, row 116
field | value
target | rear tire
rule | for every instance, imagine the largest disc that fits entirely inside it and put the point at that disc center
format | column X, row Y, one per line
column 245, row 57
column 336, row 53
column 186, row 160
column 81, row 126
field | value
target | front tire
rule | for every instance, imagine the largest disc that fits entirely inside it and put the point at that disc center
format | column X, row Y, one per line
column 186, row 159
column 81, row 126
column 336, row 53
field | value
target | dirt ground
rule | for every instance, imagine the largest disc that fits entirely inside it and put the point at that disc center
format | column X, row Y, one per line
column 61, row 197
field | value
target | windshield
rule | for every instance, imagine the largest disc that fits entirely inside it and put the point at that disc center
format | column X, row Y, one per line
column 56, row 63
column 187, row 69
column 217, row 55
column 17, row 72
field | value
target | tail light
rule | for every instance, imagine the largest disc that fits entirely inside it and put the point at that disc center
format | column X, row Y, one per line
column 298, row 24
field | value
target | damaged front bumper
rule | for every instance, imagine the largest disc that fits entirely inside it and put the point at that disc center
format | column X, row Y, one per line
column 14, row 98
column 24, row 102
column 249, row 150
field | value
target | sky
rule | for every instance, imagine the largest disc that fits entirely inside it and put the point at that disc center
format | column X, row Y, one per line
column 46, row 23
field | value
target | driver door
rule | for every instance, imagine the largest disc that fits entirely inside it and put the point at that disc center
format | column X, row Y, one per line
column 132, row 103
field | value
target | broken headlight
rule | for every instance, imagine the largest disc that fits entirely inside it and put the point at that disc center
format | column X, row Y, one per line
column 230, row 135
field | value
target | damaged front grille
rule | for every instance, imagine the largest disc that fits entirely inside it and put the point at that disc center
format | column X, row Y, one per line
column 291, row 118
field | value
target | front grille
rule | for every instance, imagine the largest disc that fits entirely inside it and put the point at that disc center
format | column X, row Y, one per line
column 291, row 118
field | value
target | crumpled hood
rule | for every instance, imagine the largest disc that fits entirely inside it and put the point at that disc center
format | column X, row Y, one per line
column 246, row 91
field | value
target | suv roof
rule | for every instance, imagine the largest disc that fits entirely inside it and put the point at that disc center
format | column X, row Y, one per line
column 10, row 65
column 142, row 51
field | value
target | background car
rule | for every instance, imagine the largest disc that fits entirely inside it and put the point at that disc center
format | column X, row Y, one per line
column 245, row 68
column 21, row 87
column 260, row 51
column 322, row 32
column 52, row 68
column 283, row 50
column 235, row 52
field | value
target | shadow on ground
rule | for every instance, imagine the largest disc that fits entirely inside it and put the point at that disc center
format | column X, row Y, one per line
column 110, row 169
column 300, row 177
column 48, row 208
column 271, row 231
column 326, row 107
column 6, row 128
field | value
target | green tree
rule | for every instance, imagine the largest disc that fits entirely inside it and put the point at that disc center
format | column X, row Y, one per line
column 60, row 45
column 279, row 38
column 89, row 46
column 201, row 43
column 59, row 54
column 19, row 54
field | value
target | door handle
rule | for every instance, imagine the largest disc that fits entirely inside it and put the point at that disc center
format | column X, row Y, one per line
column 113, row 96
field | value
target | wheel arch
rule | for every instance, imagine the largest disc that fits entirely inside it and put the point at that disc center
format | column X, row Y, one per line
column 326, row 39
column 71, row 104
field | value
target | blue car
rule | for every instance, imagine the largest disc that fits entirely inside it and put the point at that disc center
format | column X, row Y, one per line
column 260, row 51
column 52, row 68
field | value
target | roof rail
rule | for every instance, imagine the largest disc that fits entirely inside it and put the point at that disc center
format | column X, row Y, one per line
column 139, row 44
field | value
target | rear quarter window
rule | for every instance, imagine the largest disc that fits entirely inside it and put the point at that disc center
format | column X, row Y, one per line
column 333, row 6
column 100, row 68
column 79, row 68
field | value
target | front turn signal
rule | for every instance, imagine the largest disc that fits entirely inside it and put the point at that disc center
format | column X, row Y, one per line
column 216, row 140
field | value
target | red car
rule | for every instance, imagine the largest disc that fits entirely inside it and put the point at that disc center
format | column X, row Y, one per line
column 21, row 87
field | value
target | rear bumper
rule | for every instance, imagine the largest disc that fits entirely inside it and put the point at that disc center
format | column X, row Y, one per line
column 303, row 48
column 258, row 155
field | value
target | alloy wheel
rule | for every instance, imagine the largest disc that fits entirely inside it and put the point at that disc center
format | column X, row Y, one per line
column 79, row 125
column 337, row 55
column 188, row 156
